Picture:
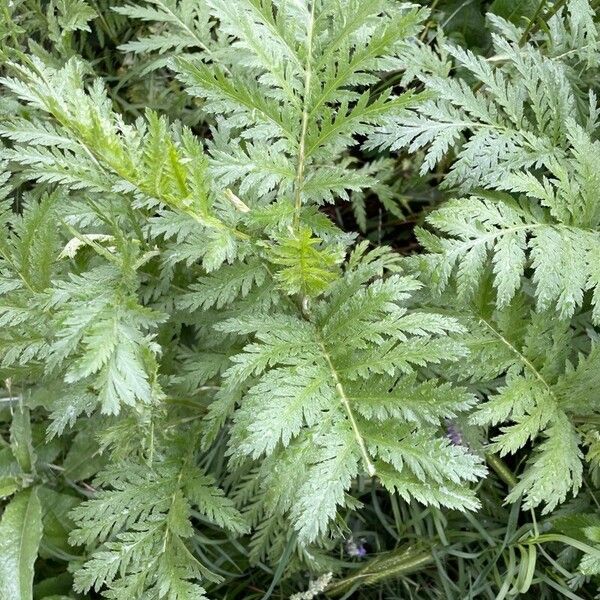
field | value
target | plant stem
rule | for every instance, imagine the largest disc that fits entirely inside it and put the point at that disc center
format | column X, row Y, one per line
column 369, row 467
column 534, row 23
column 385, row 566
column 501, row 469
column 304, row 125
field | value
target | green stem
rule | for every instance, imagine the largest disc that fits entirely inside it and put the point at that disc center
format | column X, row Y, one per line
column 305, row 113
column 534, row 23
column 369, row 467
column 501, row 469
column 397, row 563
column 526, row 362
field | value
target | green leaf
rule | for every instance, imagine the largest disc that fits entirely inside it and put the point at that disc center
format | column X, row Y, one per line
column 20, row 439
column 10, row 473
column 305, row 266
column 20, row 534
column 56, row 522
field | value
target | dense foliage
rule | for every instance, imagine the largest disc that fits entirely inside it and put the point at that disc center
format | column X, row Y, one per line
column 299, row 298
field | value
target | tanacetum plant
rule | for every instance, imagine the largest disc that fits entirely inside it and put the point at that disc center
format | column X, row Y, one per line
column 230, row 370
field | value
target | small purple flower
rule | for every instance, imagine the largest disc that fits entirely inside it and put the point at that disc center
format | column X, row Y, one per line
column 356, row 548
column 454, row 433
